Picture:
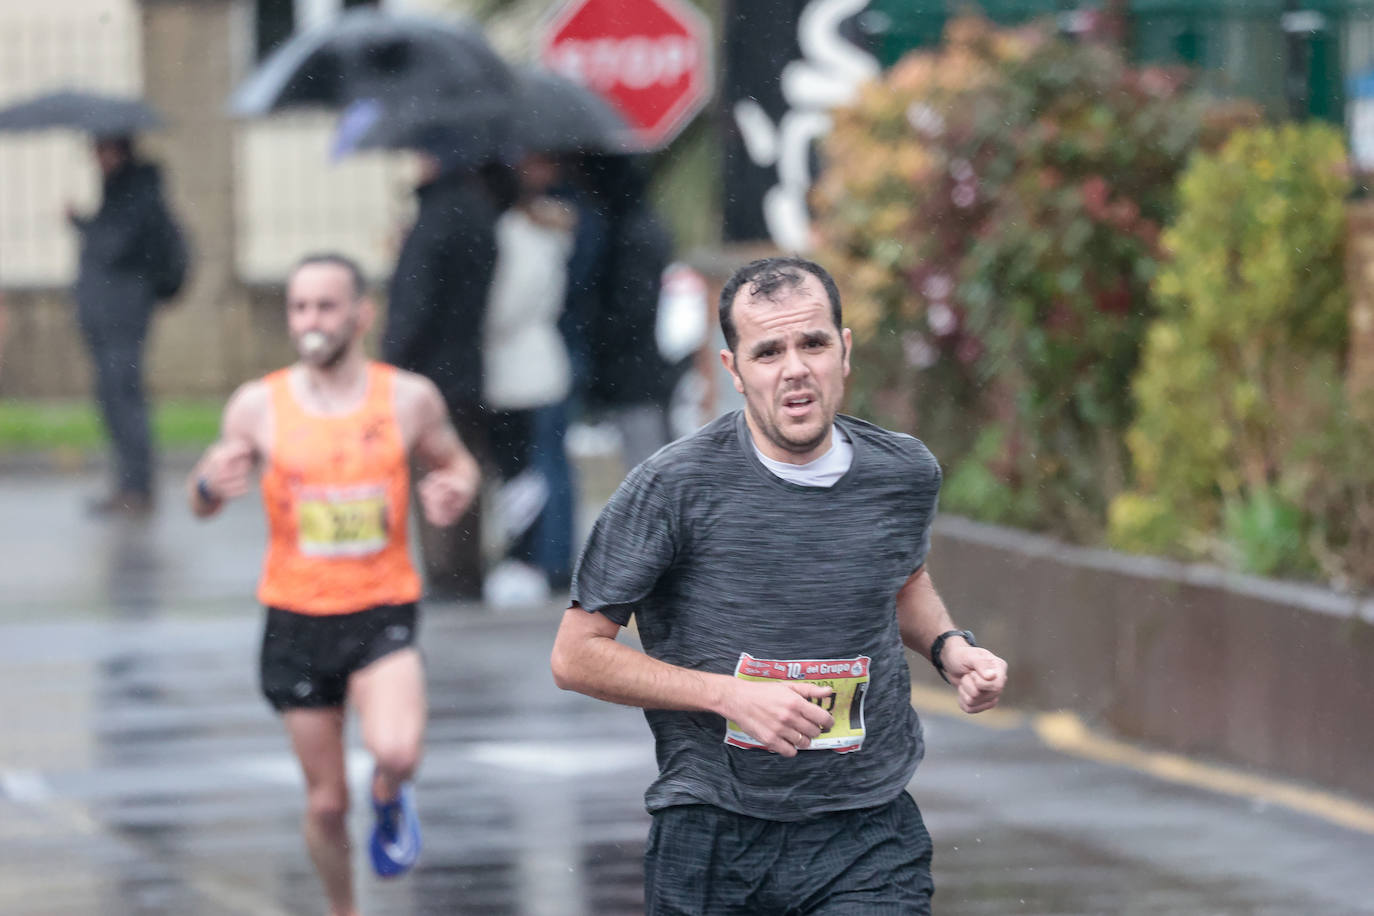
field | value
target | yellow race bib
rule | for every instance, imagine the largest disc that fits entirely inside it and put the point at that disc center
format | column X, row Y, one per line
column 341, row 521
column 846, row 677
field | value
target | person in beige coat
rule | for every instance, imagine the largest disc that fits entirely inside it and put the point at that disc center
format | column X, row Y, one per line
column 526, row 366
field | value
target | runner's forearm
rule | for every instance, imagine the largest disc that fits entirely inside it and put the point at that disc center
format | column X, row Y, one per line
column 462, row 463
column 608, row 670
column 921, row 614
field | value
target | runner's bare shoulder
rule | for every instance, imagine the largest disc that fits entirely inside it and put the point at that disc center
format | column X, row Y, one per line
column 415, row 391
column 247, row 416
column 418, row 404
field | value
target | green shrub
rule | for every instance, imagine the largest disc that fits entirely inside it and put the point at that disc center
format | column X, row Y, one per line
column 992, row 209
column 975, row 488
column 1330, row 475
column 1252, row 322
column 1266, row 534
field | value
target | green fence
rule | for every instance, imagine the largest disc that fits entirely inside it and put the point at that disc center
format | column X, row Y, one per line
column 1294, row 57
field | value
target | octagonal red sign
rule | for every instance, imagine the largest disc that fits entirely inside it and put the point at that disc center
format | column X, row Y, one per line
column 650, row 58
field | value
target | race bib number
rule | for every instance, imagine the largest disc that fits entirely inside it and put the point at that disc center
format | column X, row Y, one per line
column 846, row 677
column 342, row 521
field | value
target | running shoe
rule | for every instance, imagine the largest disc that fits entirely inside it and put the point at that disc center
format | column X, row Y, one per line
column 396, row 836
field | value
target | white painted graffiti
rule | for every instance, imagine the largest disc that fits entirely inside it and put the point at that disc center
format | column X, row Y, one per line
column 828, row 75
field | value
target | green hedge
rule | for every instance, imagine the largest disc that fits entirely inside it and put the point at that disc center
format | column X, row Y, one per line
column 993, row 209
column 27, row 426
column 1243, row 448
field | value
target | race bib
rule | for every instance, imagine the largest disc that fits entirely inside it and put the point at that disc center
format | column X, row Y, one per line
column 847, row 677
column 341, row 521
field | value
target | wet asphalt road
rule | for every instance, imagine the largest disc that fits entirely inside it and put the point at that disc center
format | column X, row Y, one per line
column 140, row 773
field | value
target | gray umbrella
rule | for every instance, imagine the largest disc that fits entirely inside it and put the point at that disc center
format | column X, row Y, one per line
column 547, row 114
column 459, row 132
column 366, row 53
column 553, row 114
column 101, row 115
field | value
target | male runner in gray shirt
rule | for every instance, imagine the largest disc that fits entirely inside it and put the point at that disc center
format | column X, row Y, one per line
column 775, row 565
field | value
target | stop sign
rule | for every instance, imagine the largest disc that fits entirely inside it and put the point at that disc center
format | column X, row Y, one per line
column 651, row 59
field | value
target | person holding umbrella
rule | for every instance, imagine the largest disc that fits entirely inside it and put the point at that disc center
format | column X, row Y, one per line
column 613, row 294
column 526, row 370
column 123, row 249
column 436, row 309
column 132, row 254
column 554, row 115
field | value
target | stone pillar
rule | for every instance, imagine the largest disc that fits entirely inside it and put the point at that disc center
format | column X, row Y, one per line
column 1360, row 279
column 198, row 343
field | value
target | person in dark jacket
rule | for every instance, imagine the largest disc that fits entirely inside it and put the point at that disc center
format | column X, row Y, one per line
column 436, row 305
column 629, row 379
column 115, row 300
column 620, row 249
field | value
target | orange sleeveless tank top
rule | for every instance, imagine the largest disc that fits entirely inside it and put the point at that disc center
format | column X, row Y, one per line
column 337, row 490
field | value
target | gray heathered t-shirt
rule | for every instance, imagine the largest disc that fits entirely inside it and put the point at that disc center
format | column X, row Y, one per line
column 715, row 556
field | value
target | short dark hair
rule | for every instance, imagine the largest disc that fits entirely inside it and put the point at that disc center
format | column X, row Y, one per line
column 773, row 278
column 121, row 143
column 333, row 258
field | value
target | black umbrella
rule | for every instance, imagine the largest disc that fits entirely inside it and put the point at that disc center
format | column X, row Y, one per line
column 366, row 53
column 547, row 114
column 553, row 114
column 460, row 132
column 101, row 115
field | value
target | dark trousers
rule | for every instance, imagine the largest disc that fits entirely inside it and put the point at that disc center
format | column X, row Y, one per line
column 117, row 354
column 452, row 556
column 705, row 861
column 552, row 548
column 511, row 437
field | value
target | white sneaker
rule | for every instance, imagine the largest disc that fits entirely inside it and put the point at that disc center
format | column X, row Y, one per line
column 515, row 584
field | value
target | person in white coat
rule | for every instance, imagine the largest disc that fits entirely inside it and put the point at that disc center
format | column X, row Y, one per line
column 526, row 366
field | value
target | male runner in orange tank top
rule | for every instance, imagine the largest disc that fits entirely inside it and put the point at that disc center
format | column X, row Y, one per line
column 333, row 435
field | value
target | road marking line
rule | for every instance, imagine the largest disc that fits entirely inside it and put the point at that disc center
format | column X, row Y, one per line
column 1067, row 733
column 942, row 701
column 234, row 897
column 28, row 787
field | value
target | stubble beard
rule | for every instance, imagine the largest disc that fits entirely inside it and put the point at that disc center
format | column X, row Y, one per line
column 333, row 359
column 773, row 430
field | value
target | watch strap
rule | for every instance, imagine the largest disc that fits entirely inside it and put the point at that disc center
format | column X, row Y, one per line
column 939, row 644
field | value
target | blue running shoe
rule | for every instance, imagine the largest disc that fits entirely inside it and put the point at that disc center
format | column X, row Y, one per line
column 396, row 836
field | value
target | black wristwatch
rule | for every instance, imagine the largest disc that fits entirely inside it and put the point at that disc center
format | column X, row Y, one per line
column 939, row 644
column 206, row 494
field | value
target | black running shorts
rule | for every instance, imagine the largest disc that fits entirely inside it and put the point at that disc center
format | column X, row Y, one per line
column 307, row 659
column 705, row 861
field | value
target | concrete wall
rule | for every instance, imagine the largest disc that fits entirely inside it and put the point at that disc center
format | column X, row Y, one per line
column 1256, row 673
column 188, row 68
column 195, row 349
column 41, row 354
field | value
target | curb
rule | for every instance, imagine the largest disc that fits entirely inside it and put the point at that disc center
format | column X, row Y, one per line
column 63, row 461
column 1067, row 733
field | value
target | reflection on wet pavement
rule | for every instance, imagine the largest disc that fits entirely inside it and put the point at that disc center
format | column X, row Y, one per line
column 141, row 773
column 161, row 780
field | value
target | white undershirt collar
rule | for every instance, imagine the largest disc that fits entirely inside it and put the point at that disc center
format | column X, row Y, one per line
column 820, row 472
